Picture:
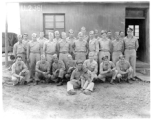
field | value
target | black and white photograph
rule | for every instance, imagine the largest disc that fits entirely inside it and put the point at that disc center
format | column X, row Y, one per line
column 75, row 60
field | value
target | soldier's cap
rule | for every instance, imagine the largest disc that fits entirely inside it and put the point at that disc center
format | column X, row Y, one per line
column 56, row 32
column 79, row 62
column 83, row 28
column 91, row 32
column 104, row 57
column 129, row 29
column 71, row 31
column 103, row 31
column 25, row 34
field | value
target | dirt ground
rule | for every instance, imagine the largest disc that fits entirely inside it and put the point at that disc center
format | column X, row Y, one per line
column 49, row 101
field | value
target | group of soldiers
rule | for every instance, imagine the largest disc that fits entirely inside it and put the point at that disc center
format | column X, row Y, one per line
column 80, row 61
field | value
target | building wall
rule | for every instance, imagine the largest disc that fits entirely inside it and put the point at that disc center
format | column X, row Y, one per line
column 99, row 16
column 109, row 16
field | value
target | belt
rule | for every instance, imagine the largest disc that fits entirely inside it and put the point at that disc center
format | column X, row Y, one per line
column 64, row 52
column 35, row 52
column 130, row 48
column 21, row 53
column 104, row 50
column 80, row 51
column 51, row 53
column 117, row 51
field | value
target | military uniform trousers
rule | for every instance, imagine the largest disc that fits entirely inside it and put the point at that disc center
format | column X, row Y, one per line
column 80, row 56
column 40, row 76
column 64, row 57
column 115, row 56
column 112, row 74
column 128, row 75
column 60, row 73
column 88, row 85
column 25, row 74
column 34, row 57
column 130, row 56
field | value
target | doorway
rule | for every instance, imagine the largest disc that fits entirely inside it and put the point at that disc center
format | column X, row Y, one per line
column 138, row 25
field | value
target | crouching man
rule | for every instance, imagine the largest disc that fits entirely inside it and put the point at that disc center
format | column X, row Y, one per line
column 124, row 69
column 70, row 66
column 75, row 80
column 20, row 73
column 58, row 70
column 91, row 65
column 42, row 70
column 86, row 81
column 107, row 70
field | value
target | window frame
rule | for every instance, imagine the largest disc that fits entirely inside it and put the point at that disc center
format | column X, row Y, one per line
column 54, row 14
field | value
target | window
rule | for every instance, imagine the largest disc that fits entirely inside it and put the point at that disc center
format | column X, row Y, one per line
column 135, row 29
column 53, row 22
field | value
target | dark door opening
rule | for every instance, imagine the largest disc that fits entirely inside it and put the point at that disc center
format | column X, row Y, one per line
column 138, row 26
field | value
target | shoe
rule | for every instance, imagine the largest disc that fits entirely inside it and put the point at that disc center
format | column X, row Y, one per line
column 128, row 81
column 36, row 83
column 60, row 83
column 71, row 92
column 87, row 92
column 25, row 82
column 111, row 81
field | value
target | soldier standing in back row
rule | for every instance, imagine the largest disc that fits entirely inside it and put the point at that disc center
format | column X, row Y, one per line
column 33, row 53
column 117, row 48
column 42, row 40
column 80, row 48
column 57, row 36
column 85, row 37
column 131, row 46
column 71, row 40
column 93, row 45
column 64, row 48
column 96, row 33
column 19, row 48
column 50, row 48
column 104, row 46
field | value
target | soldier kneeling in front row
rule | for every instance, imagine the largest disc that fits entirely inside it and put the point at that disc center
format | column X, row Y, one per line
column 42, row 70
column 107, row 69
column 20, row 73
column 124, row 69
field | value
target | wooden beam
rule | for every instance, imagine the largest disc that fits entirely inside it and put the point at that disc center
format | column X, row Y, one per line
column 6, row 40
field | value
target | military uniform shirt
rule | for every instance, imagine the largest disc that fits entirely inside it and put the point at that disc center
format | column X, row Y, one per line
column 16, row 69
column 59, row 65
column 130, row 43
column 117, row 45
column 45, row 67
column 93, row 45
column 50, row 46
column 123, row 66
column 80, row 46
column 64, row 46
